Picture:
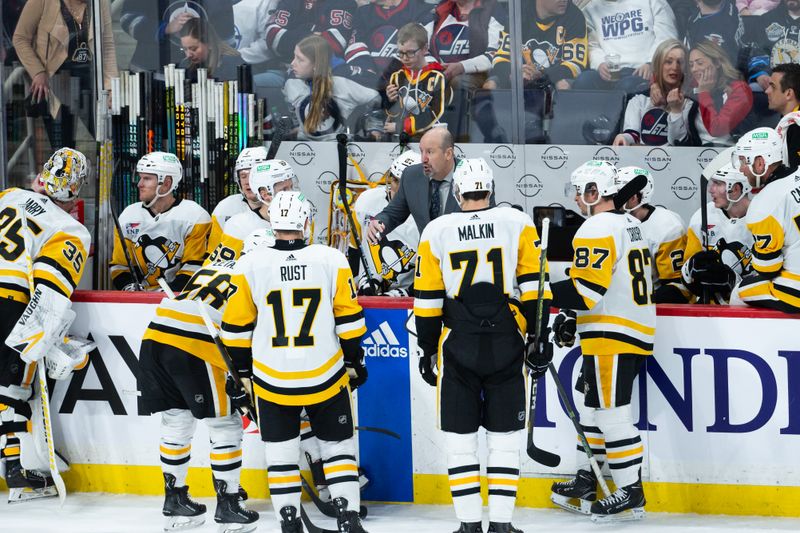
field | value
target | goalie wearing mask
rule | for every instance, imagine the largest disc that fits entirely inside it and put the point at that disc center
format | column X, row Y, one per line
column 390, row 261
column 42, row 243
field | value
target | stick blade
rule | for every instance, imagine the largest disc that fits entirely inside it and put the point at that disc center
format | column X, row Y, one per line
column 543, row 457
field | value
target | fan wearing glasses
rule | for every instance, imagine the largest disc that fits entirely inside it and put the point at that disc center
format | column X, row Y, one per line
column 418, row 91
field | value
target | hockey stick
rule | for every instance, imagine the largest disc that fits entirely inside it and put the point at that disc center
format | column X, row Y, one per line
column 124, row 243
column 717, row 163
column 537, row 454
column 572, row 416
column 277, row 138
column 223, row 352
column 341, row 147
column 41, row 372
column 371, row 429
column 326, row 508
column 310, row 527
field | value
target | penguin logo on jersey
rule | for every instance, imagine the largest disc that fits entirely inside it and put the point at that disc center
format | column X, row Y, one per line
column 392, row 258
column 157, row 254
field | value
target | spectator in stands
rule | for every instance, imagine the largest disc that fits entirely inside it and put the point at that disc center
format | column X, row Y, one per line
column 322, row 102
column 293, row 20
column 418, row 91
column 717, row 21
column 156, row 26
column 646, row 116
column 623, row 37
column 56, row 38
column 723, row 99
column 204, row 49
column 459, row 43
column 251, row 18
column 756, row 7
column 783, row 91
column 776, row 39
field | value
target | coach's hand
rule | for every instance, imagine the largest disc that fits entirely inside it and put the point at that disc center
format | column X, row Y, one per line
column 538, row 355
column 427, row 368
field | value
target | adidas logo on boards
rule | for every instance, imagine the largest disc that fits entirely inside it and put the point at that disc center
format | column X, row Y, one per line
column 382, row 342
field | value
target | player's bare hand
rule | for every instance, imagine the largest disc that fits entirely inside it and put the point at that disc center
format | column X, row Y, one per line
column 375, row 230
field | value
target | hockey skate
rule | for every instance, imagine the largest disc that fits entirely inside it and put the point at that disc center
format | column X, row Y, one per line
column 577, row 494
column 502, row 527
column 290, row 522
column 626, row 503
column 181, row 511
column 231, row 516
column 348, row 521
column 469, row 527
column 25, row 485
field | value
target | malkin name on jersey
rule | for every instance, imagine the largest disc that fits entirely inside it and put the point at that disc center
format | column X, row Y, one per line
column 483, row 230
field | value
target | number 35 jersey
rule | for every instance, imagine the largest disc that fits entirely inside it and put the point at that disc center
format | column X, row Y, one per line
column 293, row 304
column 612, row 272
column 56, row 242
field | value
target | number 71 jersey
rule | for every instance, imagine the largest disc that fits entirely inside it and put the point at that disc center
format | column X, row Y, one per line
column 612, row 272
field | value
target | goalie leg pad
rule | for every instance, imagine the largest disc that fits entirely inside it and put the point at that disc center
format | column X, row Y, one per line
column 225, row 433
column 463, row 470
column 503, row 473
column 33, row 445
column 44, row 321
column 341, row 470
column 177, row 430
column 624, row 446
column 283, row 474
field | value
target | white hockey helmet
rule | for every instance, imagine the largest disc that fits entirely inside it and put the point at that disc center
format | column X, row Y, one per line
column 789, row 119
column 730, row 176
column 162, row 164
column 64, row 174
column 250, row 157
column 289, row 211
column 472, row 175
column 600, row 173
column 626, row 174
column 268, row 174
column 403, row 161
column 760, row 142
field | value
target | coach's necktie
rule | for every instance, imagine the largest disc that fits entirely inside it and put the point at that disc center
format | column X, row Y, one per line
column 436, row 200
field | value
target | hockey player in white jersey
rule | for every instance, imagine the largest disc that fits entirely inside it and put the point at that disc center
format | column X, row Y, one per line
column 715, row 271
column 266, row 179
column 392, row 259
column 242, row 202
column 183, row 377
column 772, row 219
column 476, row 287
column 37, row 233
column 666, row 233
column 295, row 325
column 610, row 287
column 165, row 236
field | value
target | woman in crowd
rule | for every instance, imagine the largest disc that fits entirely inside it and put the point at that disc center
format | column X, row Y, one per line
column 322, row 102
column 204, row 49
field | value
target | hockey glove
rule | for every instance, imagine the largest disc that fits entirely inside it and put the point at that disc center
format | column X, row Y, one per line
column 564, row 328
column 365, row 287
column 538, row 355
column 705, row 270
column 239, row 393
column 427, row 367
column 44, row 322
column 396, row 293
column 357, row 371
column 65, row 357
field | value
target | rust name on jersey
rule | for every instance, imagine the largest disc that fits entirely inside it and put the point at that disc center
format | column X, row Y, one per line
column 293, row 272
column 484, row 230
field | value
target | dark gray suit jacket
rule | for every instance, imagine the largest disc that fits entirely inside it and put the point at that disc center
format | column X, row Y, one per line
column 413, row 198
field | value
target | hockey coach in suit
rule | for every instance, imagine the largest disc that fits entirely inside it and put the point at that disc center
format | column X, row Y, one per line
column 425, row 189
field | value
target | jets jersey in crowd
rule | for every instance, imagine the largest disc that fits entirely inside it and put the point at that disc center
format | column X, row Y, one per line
column 393, row 258
column 557, row 46
column 470, row 40
column 773, row 220
column 666, row 236
column 293, row 20
column 738, row 239
column 498, row 245
column 612, row 272
column 170, row 245
column 422, row 97
column 237, row 229
column 57, row 244
column 293, row 303
column 178, row 322
column 229, row 206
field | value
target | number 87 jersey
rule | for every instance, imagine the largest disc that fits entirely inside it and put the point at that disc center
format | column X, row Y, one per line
column 612, row 274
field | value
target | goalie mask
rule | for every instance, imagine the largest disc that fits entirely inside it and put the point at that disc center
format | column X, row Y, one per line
column 248, row 158
column 472, row 175
column 162, row 164
column 289, row 211
column 730, row 177
column 599, row 175
column 626, row 174
column 760, row 142
column 64, row 174
column 270, row 176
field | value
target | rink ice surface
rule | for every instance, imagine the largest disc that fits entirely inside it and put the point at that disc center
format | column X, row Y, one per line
column 114, row 513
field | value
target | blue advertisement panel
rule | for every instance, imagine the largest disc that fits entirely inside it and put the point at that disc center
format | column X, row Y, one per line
column 385, row 402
